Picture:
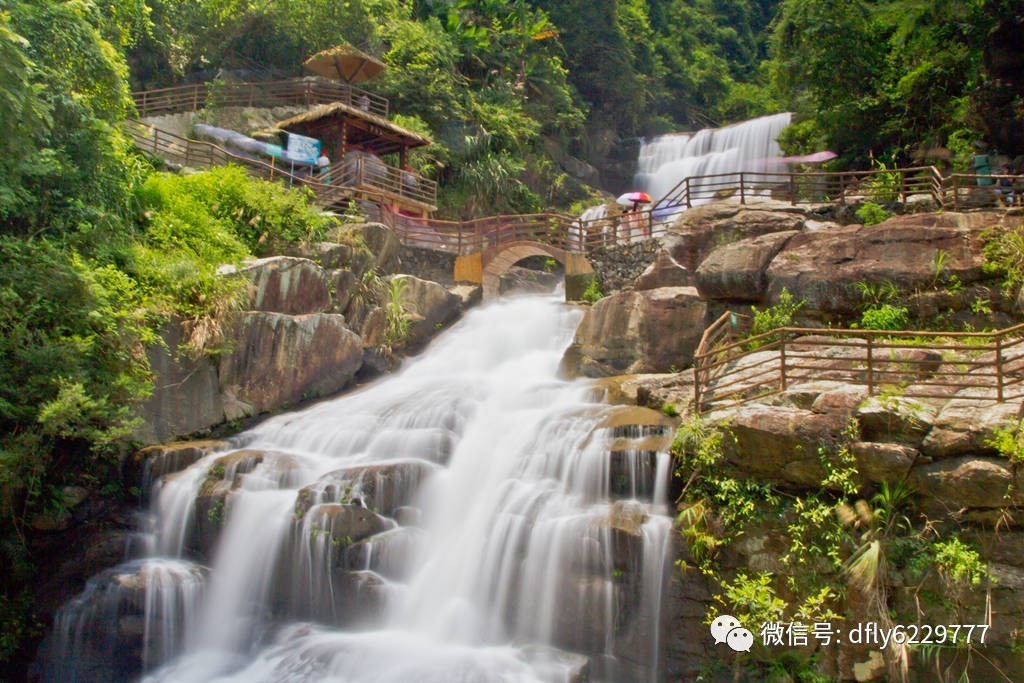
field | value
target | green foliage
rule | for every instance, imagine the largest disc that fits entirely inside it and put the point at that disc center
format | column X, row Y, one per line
column 1009, row 442
column 774, row 317
column 397, row 320
column 592, row 294
column 959, row 563
column 872, row 214
column 1004, row 256
column 885, row 317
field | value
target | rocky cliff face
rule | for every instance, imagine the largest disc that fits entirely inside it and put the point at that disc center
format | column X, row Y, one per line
column 312, row 321
column 808, row 480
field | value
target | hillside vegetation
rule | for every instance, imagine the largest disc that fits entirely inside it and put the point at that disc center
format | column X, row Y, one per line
column 98, row 248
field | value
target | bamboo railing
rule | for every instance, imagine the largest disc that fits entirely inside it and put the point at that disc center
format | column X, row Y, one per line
column 984, row 366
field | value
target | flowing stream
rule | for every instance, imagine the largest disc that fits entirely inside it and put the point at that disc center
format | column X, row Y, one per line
column 472, row 518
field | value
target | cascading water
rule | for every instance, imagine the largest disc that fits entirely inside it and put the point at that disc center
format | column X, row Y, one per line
column 472, row 518
column 750, row 146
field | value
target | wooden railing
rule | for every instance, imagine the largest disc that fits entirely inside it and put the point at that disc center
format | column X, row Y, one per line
column 374, row 180
column 809, row 187
column 985, row 366
column 305, row 92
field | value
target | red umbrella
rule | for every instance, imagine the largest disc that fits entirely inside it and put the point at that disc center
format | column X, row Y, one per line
column 634, row 198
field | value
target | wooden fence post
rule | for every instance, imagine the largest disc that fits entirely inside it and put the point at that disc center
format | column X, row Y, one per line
column 999, row 368
column 871, row 367
column 689, row 205
column 792, row 189
column 743, row 198
column 782, row 360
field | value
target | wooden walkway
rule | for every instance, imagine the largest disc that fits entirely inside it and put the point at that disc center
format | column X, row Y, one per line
column 385, row 185
column 731, row 368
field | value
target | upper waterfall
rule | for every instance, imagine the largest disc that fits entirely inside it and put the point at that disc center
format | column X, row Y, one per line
column 750, row 146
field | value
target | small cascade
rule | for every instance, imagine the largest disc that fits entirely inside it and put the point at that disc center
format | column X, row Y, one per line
column 128, row 620
column 750, row 146
column 471, row 518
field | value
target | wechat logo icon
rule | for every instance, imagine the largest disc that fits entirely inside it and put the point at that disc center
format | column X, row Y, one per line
column 727, row 629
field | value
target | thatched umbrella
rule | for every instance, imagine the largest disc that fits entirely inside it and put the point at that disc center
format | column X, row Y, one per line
column 344, row 63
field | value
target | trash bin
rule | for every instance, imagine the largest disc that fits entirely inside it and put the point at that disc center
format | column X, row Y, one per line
column 983, row 169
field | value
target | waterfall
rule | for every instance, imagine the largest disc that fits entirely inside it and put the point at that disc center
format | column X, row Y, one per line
column 472, row 518
column 750, row 146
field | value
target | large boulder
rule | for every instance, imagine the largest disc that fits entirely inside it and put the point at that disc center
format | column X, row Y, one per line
column 186, row 395
column 968, row 483
column 382, row 243
column 965, row 425
column 698, row 231
column 737, row 271
column 284, row 284
column 382, row 488
column 664, row 271
column 778, row 443
column 923, row 250
column 638, row 332
column 279, row 360
column 429, row 305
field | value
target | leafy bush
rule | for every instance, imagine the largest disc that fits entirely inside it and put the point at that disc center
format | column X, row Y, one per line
column 774, row 317
column 959, row 563
column 872, row 214
column 1004, row 256
column 885, row 317
column 593, row 292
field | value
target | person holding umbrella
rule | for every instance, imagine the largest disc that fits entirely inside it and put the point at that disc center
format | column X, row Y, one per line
column 633, row 218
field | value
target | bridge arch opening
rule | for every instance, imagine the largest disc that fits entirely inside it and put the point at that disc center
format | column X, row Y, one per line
column 496, row 261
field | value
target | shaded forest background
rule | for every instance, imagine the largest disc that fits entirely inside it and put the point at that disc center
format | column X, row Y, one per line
column 531, row 105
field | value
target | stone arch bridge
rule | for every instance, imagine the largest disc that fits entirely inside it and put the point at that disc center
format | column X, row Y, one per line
column 486, row 266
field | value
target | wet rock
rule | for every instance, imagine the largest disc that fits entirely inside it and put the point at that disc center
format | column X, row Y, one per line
column 737, row 271
column 127, row 619
column 280, row 360
column 143, row 468
column 284, row 284
column 469, row 295
column 637, row 332
column 387, row 553
column 382, row 488
column 527, row 280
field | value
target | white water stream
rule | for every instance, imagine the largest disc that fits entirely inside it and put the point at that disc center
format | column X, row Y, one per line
column 750, row 146
column 465, row 520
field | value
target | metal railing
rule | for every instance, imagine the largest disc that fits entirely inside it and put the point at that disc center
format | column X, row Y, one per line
column 986, row 366
column 305, row 92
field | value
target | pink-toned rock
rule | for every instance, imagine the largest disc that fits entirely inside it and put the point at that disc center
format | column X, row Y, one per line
column 698, row 231
column 637, row 332
column 664, row 271
column 279, row 360
column 284, row 284
column 737, row 271
column 821, row 268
